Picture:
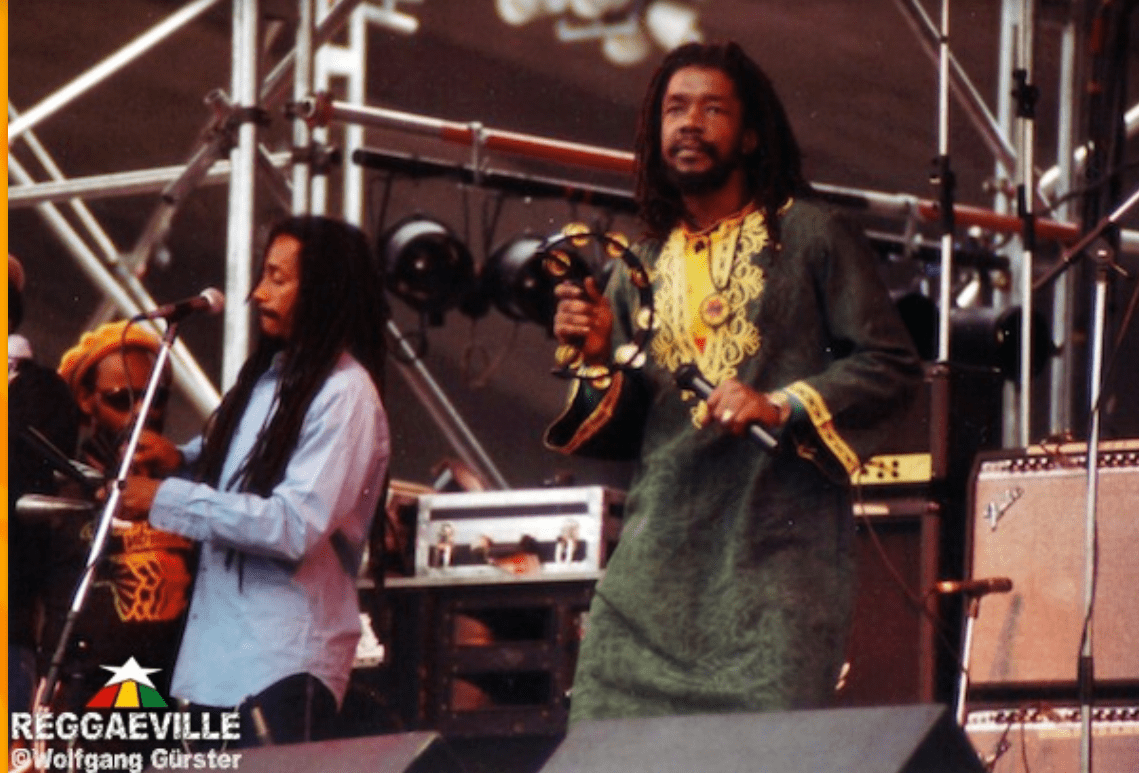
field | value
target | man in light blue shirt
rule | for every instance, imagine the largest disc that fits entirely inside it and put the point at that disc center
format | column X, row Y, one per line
column 281, row 492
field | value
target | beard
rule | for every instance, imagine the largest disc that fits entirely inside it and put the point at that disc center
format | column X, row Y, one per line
column 708, row 180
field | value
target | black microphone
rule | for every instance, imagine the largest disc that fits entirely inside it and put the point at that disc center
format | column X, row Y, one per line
column 688, row 376
column 209, row 300
column 975, row 587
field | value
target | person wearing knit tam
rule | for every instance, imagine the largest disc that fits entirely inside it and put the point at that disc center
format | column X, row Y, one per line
column 137, row 604
column 107, row 372
column 37, row 399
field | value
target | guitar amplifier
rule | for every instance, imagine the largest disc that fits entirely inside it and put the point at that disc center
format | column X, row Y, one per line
column 1046, row 739
column 1028, row 524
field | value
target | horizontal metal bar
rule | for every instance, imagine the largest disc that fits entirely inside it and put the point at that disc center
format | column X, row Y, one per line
column 119, row 183
column 528, row 145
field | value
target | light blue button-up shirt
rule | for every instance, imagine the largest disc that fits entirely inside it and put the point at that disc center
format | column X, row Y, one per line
column 293, row 606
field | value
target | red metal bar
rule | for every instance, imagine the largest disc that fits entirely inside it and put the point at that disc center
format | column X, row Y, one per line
column 592, row 157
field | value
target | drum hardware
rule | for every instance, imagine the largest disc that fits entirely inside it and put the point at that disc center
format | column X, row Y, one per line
column 86, row 476
column 39, row 507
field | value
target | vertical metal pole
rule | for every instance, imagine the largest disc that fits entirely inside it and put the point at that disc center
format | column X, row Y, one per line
column 302, row 89
column 353, row 207
column 1062, row 366
column 350, row 63
column 322, row 81
column 939, row 375
column 1005, row 64
column 974, row 608
column 1027, row 195
column 945, row 295
column 242, row 186
column 1086, row 662
column 1009, row 36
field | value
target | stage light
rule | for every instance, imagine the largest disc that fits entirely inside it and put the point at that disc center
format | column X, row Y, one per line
column 596, row 9
column 991, row 338
column 626, row 50
column 426, row 265
column 627, row 29
column 979, row 337
column 516, row 283
column 520, row 276
column 672, row 24
column 568, row 31
column 519, row 12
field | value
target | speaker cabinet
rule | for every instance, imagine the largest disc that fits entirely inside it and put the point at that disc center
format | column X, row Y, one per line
column 890, row 655
column 1029, row 516
column 1048, row 740
column 888, row 739
column 421, row 752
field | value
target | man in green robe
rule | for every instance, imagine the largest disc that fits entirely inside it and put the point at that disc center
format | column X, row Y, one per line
column 732, row 586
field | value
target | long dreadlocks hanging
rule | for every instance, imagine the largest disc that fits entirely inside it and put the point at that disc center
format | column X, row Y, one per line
column 340, row 307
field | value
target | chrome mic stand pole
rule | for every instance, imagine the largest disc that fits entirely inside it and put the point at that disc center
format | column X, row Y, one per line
column 45, row 693
column 966, row 657
column 973, row 590
column 1104, row 266
column 1085, row 676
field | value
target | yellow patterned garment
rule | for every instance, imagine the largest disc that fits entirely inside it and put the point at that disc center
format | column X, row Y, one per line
column 694, row 269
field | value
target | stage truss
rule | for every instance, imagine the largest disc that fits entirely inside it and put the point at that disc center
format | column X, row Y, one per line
column 299, row 83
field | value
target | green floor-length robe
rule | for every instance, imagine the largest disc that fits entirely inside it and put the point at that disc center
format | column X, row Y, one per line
column 732, row 585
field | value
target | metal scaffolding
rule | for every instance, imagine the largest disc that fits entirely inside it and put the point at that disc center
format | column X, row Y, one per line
column 314, row 64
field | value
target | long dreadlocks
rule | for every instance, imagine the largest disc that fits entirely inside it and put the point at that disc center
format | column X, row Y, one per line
column 340, row 306
column 773, row 170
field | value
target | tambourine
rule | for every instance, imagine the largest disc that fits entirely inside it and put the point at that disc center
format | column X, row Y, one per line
column 562, row 260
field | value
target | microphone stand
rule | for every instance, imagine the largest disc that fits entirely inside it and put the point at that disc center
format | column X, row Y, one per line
column 46, row 692
column 1105, row 264
column 939, row 373
column 974, row 610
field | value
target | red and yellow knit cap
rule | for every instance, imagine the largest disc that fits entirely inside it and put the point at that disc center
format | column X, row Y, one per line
column 100, row 342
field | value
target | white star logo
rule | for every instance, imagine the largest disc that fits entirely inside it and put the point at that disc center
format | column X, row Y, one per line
column 131, row 671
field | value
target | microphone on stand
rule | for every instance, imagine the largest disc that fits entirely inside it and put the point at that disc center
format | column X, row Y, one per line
column 688, row 376
column 209, row 300
column 975, row 587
